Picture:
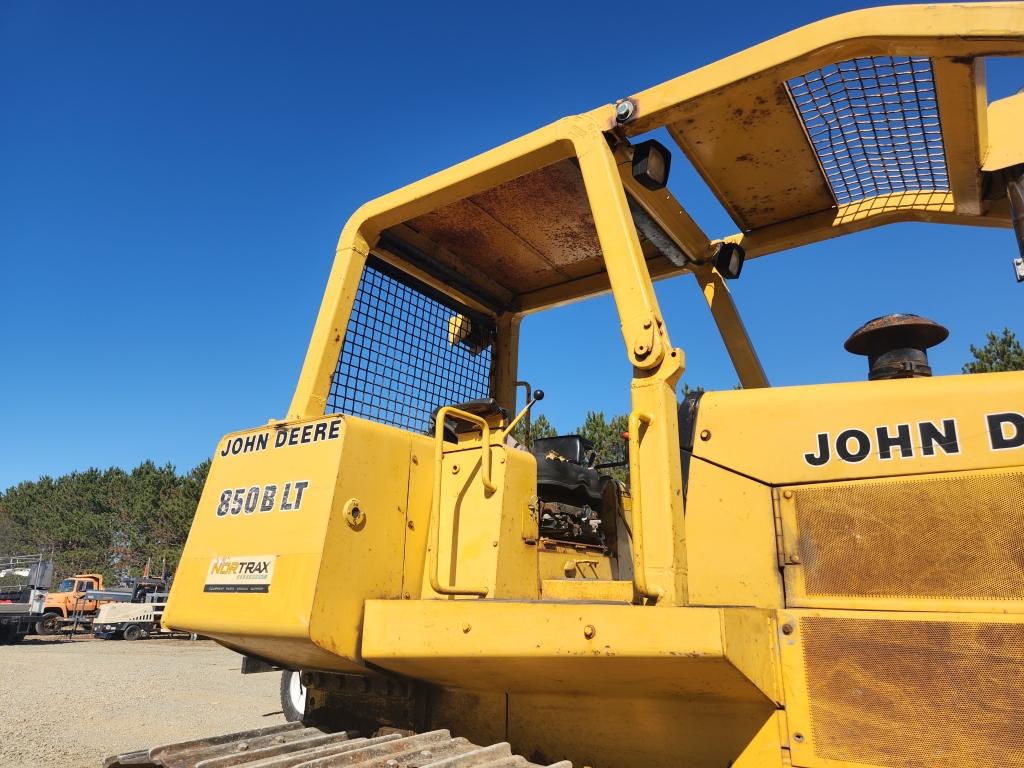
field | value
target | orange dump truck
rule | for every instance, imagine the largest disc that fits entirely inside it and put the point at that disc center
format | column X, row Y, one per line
column 67, row 599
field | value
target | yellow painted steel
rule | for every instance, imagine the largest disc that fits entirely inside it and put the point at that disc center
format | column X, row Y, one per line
column 765, row 434
column 763, row 749
column 730, row 529
column 310, row 614
column 478, row 534
column 672, row 652
column 741, row 351
column 587, row 590
column 702, row 635
column 1004, row 121
column 558, row 561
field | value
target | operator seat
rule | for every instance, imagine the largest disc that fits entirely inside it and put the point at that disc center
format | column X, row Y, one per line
column 484, row 407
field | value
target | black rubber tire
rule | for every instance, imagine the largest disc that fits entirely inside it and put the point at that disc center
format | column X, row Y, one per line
column 49, row 624
column 5, row 635
column 16, row 637
column 133, row 632
column 293, row 700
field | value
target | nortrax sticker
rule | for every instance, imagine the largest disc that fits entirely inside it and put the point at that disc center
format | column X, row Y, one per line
column 248, row 573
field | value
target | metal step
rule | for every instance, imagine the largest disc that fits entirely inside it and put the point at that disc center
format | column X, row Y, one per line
column 296, row 746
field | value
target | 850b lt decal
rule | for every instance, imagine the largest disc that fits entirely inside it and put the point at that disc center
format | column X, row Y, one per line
column 262, row 498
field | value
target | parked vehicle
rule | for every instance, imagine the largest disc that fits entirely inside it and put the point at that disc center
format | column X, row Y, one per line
column 24, row 580
column 67, row 599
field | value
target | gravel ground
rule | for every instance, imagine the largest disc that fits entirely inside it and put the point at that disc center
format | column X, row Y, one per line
column 70, row 703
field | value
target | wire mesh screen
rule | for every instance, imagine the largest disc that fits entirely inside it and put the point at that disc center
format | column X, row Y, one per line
column 874, row 124
column 401, row 357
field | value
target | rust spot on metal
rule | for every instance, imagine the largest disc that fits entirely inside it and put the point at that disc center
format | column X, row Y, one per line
column 529, row 233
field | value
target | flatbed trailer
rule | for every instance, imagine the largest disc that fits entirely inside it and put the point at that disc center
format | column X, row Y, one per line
column 136, row 590
column 16, row 621
column 131, row 621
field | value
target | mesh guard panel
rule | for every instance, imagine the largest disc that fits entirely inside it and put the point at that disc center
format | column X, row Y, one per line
column 874, row 125
column 928, row 694
column 397, row 362
column 955, row 537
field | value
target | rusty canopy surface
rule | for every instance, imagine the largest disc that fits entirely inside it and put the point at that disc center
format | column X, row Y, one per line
column 867, row 118
column 862, row 119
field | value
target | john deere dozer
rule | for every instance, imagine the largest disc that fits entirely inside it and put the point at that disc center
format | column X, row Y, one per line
column 825, row 575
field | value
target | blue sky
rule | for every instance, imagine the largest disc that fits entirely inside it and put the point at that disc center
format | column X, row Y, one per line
column 174, row 177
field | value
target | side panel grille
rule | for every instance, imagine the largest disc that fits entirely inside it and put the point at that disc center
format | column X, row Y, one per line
column 940, row 537
column 927, row 694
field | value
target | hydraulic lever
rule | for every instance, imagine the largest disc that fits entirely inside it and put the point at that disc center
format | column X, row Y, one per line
column 532, row 398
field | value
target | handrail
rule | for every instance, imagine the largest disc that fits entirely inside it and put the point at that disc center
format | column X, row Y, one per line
column 637, row 522
column 435, row 501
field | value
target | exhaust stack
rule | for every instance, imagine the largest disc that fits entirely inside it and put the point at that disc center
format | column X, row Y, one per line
column 896, row 345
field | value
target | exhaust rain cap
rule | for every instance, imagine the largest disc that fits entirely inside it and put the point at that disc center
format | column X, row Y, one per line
column 896, row 345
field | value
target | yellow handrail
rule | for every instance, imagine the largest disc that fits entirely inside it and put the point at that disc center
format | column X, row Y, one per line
column 639, row 569
column 435, row 501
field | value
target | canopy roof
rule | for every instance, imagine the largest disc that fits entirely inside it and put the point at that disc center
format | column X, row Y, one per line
column 867, row 118
column 862, row 119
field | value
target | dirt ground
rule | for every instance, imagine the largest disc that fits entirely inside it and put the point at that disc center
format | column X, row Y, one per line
column 71, row 703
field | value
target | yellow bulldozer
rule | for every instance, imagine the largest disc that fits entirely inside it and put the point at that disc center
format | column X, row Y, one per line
column 822, row 576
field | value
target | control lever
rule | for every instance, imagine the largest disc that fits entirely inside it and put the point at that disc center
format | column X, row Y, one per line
column 532, row 398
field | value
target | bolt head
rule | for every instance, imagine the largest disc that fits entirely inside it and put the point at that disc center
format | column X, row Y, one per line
column 705, row 434
column 589, row 631
column 466, row 628
column 624, row 110
column 787, row 628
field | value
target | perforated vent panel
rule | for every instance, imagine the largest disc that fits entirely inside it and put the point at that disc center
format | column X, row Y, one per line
column 915, row 693
column 398, row 361
column 947, row 536
column 874, row 125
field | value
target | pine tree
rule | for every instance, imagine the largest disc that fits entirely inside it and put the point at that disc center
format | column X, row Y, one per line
column 1000, row 353
column 107, row 521
column 540, row 427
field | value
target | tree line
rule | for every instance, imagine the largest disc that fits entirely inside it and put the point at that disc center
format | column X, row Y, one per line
column 109, row 521
column 115, row 521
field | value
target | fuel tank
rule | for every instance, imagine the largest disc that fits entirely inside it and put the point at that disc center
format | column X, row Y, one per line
column 299, row 522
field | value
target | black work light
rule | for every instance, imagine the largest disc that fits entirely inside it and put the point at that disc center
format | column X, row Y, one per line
column 729, row 260
column 651, row 161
